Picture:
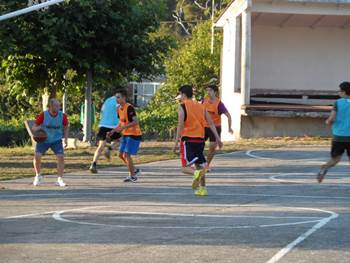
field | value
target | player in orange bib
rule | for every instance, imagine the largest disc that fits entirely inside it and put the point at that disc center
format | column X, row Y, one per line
column 215, row 108
column 132, row 135
column 190, row 131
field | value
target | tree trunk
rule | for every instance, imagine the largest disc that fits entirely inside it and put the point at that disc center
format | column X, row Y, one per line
column 87, row 108
column 64, row 101
column 45, row 99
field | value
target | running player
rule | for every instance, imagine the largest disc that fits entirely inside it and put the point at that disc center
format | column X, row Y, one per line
column 215, row 108
column 190, row 131
column 109, row 120
column 340, row 120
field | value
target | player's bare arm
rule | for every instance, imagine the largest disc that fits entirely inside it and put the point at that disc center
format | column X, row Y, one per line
column 180, row 127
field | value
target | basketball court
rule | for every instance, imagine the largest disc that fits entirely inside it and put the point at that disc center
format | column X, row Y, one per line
column 263, row 206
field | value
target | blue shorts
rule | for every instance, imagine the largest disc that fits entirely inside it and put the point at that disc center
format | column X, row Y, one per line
column 129, row 145
column 56, row 147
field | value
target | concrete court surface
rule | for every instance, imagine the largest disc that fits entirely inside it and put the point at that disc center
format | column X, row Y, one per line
column 263, row 206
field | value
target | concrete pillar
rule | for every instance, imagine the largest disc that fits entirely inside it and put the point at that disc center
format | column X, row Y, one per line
column 246, row 56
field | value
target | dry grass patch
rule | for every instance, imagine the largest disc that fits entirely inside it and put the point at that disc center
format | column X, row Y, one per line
column 17, row 162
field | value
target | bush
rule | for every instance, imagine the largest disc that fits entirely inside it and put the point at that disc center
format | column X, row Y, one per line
column 158, row 124
column 13, row 133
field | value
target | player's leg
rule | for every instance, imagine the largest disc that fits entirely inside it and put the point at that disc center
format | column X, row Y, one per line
column 211, row 152
column 112, row 146
column 101, row 137
column 337, row 151
column 57, row 148
column 40, row 150
column 131, row 148
column 200, row 165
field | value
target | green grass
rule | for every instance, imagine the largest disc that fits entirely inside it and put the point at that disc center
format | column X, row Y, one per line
column 18, row 162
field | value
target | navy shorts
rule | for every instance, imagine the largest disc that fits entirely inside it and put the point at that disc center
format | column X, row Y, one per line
column 102, row 134
column 56, row 147
column 210, row 135
column 192, row 152
column 129, row 145
column 338, row 148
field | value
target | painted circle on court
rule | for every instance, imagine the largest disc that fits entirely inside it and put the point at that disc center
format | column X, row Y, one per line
column 234, row 217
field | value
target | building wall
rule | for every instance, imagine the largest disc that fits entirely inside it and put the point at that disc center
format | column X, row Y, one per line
column 259, row 126
column 299, row 57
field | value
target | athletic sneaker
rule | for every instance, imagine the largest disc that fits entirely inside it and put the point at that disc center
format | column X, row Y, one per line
column 132, row 179
column 321, row 174
column 93, row 169
column 37, row 180
column 202, row 191
column 107, row 153
column 60, row 182
column 196, row 178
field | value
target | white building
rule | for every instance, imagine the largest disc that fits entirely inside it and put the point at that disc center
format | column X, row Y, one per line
column 142, row 92
column 282, row 62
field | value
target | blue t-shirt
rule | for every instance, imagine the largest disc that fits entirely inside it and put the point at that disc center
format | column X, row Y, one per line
column 341, row 125
column 53, row 126
column 109, row 115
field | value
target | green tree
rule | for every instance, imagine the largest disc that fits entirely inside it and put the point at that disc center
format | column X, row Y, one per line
column 102, row 37
column 192, row 63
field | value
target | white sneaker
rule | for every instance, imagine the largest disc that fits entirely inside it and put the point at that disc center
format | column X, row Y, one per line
column 37, row 180
column 60, row 182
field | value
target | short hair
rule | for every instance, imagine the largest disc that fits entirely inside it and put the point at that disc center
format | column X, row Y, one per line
column 53, row 101
column 213, row 87
column 187, row 90
column 122, row 92
column 345, row 86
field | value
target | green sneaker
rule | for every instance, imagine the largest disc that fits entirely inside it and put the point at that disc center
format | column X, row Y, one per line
column 196, row 178
column 202, row 191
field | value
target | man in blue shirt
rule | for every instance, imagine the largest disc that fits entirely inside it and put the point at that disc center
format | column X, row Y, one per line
column 55, row 124
column 109, row 120
column 340, row 120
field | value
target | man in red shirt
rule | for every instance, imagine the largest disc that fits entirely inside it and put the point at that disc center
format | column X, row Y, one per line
column 55, row 124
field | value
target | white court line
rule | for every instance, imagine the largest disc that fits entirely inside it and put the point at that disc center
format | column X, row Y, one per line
column 301, row 238
column 50, row 212
column 304, row 180
column 58, row 216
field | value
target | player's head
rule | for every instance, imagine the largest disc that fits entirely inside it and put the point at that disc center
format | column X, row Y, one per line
column 212, row 90
column 186, row 91
column 345, row 87
column 54, row 105
column 121, row 96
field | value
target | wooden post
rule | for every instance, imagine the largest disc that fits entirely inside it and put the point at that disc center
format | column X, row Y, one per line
column 246, row 57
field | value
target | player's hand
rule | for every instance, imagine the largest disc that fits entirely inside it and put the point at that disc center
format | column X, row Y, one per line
column 230, row 130
column 328, row 122
column 65, row 143
column 110, row 133
column 118, row 129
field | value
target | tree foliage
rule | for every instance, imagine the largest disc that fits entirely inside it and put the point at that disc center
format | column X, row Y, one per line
column 112, row 39
column 192, row 63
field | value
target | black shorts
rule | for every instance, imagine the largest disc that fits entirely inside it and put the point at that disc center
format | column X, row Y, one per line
column 209, row 134
column 192, row 152
column 102, row 133
column 338, row 148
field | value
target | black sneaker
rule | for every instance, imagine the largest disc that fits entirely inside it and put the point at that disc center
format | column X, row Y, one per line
column 132, row 179
column 93, row 169
column 321, row 174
